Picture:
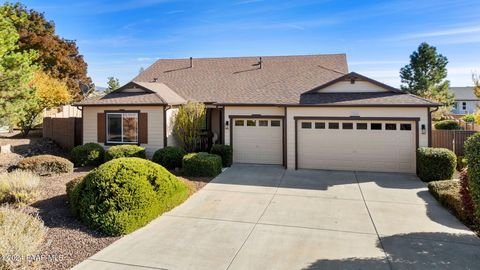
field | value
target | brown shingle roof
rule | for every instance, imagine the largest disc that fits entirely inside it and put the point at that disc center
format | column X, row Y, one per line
column 145, row 94
column 122, row 98
column 364, row 99
column 281, row 79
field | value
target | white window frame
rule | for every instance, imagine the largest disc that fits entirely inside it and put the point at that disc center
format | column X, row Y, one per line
column 464, row 105
column 107, row 127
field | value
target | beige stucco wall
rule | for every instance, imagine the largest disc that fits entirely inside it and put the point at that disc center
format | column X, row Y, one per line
column 243, row 110
column 155, row 124
column 420, row 112
column 171, row 141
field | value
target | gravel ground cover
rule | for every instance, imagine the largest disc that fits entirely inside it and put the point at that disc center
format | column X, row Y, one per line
column 68, row 241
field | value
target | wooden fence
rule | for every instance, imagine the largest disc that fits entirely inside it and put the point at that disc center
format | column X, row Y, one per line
column 451, row 139
column 66, row 132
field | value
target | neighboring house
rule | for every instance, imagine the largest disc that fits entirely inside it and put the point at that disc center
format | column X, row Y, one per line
column 466, row 101
column 296, row 111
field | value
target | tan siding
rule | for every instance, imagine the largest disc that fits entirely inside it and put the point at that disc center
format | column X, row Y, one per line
column 155, row 124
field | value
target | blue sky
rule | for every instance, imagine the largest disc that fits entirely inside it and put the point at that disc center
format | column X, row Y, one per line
column 117, row 38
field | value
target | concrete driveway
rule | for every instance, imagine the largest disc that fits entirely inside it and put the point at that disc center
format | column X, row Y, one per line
column 264, row 217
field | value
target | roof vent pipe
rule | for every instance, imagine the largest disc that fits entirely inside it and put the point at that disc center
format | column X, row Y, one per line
column 191, row 62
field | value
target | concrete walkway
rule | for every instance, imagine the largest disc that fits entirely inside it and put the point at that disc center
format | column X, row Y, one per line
column 264, row 217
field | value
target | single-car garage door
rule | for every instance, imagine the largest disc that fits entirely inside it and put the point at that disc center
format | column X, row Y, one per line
column 387, row 146
column 257, row 141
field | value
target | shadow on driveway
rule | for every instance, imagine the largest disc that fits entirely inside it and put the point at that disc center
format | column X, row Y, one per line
column 413, row 251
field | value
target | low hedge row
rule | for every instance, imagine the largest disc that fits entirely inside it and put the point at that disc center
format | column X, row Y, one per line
column 225, row 152
column 125, row 194
column 447, row 192
column 202, row 164
column 435, row 164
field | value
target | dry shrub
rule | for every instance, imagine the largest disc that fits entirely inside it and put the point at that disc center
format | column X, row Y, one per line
column 19, row 187
column 46, row 165
column 20, row 236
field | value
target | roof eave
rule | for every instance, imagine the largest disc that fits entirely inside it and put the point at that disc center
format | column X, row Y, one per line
column 326, row 105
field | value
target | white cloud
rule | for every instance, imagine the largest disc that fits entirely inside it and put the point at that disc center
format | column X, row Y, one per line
column 448, row 32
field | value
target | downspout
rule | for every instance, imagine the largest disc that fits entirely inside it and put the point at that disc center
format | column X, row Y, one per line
column 165, row 109
column 430, row 125
column 80, row 108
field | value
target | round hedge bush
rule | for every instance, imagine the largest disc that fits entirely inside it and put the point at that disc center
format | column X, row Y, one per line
column 125, row 194
column 225, row 152
column 447, row 125
column 119, row 151
column 435, row 164
column 89, row 154
column 46, row 165
column 202, row 164
column 169, row 157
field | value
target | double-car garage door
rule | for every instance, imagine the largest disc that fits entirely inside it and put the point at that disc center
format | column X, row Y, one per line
column 356, row 145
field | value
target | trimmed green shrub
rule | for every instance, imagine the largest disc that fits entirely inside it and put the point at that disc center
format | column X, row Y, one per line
column 125, row 194
column 19, row 187
column 169, row 157
column 89, row 154
column 225, row 152
column 447, row 192
column 202, row 164
column 46, row 165
column 472, row 154
column 447, row 125
column 71, row 194
column 21, row 235
column 435, row 164
column 129, row 150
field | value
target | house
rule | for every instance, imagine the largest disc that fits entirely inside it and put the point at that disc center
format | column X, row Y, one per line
column 297, row 111
column 466, row 101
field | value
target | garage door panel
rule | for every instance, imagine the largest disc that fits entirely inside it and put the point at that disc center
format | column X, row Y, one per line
column 352, row 149
column 257, row 144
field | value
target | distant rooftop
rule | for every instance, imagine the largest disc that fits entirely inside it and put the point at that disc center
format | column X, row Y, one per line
column 464, row 93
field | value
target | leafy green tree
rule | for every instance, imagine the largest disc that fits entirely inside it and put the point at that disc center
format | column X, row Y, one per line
column 45, row 92
column 57, row 56
column 16, row 71
column 113, row 84
column 426, row 75
column 188, row 123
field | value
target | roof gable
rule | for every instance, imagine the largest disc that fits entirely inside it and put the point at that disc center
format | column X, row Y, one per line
column 353, row 83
